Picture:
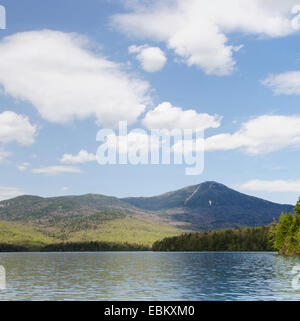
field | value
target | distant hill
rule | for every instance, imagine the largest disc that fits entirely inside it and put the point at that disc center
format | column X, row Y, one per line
column 211, row 205
column 32, row 208
column 32, row 221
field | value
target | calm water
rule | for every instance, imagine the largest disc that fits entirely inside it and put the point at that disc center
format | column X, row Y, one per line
column 148, row 276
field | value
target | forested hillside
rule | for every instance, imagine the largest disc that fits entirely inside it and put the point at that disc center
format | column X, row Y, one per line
column 123, row 233
column 210, row 206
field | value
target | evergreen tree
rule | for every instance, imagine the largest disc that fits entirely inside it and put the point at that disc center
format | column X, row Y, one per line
column 282, row 231
column 272, row 233
column 287, row 235
column 297, row 207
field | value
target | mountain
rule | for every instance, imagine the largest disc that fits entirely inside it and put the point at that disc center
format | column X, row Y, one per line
column 140, row 220
column 211, row 205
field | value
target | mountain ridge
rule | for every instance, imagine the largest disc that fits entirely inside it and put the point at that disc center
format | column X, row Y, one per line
column 208, row 205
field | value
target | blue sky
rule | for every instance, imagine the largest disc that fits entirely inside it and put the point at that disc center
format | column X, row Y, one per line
column 242, row 73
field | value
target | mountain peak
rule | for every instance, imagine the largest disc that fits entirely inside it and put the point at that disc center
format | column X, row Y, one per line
column 212, row 185
column 212, row 205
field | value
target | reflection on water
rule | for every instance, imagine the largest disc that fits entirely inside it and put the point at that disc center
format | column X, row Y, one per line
column 148, row 276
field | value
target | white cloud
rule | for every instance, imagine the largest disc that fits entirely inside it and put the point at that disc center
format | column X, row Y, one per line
column 7, row 192
column 63, row 79
column 82, row 157
column 287, row 83
column 54, row 170
column 14, row 127
column 64, row 188
column 151, row 58
column 198, row 30
column 169, row 117
column 272, row 185
column 137, row 140
column 23, row 167
column 260, row 135
column 163, row 117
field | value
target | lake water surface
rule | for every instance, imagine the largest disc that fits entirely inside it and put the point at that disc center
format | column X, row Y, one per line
column 149, row 276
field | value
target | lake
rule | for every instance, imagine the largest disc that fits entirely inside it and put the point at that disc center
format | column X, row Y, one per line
column 149, row 276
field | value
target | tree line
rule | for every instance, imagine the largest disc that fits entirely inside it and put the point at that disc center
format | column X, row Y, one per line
column 92, row 246
column 12, row 248
column 282, row 236
column 232, row 239
column 75, row 247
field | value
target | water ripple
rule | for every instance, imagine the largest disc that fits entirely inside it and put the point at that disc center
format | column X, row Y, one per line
column 148, row 276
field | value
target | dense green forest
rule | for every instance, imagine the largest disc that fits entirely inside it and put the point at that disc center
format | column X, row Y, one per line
column 244, row 239
column 75, row 247
column 285, row 235
column 93, row 246
column 12, row 248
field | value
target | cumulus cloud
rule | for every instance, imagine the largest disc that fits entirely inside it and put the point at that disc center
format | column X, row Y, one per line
column 136, row 140
column 287, row 83
column 198, row 31
column 261, row 135
column 14, row 127
column 169, row 117
column 82, row 157
column 141, row 142
column 7, row 192
column 59, row 74
column 272, row 185
column 54, row 170
column 164, row 117
column 151, row 58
